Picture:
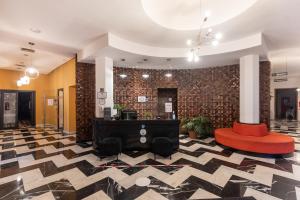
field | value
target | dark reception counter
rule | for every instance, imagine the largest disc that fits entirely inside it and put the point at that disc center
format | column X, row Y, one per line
column 135, row 134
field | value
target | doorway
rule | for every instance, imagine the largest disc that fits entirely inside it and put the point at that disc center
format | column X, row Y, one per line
column 167, row 95
column 60, row 110
column 286, row 103
column 26, row 108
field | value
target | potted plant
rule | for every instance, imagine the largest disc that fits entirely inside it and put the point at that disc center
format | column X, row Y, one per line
column 119, row 108
column 189, row 126
column 148, row 115
column 183, row 129
column 198, row 127
column 202, row 126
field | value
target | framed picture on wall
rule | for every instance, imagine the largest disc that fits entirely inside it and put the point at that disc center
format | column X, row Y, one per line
column 101, row 95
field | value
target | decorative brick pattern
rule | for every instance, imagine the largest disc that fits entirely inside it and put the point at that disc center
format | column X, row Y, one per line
column 264, row 91
column 85, row 100
column 211, row 92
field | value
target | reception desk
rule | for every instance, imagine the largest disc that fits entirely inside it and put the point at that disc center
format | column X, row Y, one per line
column 135, row 134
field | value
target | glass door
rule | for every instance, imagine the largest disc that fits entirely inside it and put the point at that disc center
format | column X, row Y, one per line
column 9, row 109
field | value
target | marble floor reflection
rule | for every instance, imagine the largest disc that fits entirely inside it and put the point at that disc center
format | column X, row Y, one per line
column 46, row 164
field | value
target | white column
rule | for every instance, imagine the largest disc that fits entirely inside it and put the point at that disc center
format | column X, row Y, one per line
column 249, row 89
column 104, row 79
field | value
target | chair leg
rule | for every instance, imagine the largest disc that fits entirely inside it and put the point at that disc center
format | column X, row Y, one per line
column 154, row 156
column 170, row 157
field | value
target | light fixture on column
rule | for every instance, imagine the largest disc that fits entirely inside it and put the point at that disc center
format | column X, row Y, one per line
column 298, row 89
column 204, row 37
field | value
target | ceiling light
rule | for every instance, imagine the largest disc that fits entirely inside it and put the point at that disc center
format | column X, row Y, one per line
column 298, row 89
column 207, row 13
column 218, row 36
column 32, row 72
column 123, row 75
column 168, row 75
column 19, row 83
column 145, row 76
column 189, row 42
column 35, row 30
column 215, row 43
column 205, row 37
column 190, row 56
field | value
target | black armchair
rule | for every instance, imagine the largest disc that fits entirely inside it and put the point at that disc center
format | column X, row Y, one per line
column 162, row 146
column 110, row 146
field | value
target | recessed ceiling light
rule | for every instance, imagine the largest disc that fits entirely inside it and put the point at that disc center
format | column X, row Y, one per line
column 168, row 75
column 123, row 75
column 215, row 43
column 189, row 42
column 145, row 76
column 35, row 30
column 218, row 36
column 207, row 13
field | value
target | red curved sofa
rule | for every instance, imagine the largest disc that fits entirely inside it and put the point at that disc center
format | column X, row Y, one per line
column 254, row 138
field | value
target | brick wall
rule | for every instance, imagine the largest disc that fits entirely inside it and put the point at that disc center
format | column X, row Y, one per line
column 211, row 92
column 85, row 100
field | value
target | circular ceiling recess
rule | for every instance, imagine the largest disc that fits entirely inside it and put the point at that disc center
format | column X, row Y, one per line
column 187, row 14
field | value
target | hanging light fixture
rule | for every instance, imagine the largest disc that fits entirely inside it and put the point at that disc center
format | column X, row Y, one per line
column 19, row 83
column 122, row 74
column 204, row 37
column 32, row 72
column 25, row 80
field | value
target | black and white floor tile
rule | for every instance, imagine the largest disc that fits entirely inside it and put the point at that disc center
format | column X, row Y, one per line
column 45, row 164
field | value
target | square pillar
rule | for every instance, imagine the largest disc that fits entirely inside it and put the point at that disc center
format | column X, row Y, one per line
column 249, row 89
column 104, row 79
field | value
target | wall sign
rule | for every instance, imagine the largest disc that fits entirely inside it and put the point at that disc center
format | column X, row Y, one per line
column 168, row 107
column 142, row 99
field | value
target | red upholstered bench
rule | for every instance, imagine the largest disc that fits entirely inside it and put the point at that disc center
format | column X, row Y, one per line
column 254, row 138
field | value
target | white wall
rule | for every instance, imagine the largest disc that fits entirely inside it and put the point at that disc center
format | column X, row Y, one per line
column 293, row 82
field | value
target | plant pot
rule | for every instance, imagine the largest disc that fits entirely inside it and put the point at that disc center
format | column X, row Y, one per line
column 192, row 134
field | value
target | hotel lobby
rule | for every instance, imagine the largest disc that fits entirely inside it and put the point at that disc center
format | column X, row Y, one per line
column 149, row 99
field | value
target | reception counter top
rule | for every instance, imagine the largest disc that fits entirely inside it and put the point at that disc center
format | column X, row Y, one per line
column 135, row 134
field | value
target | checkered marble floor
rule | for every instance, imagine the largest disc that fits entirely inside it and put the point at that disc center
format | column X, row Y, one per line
column 45, row 164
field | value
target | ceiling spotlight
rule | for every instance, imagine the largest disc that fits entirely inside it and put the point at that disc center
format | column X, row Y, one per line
column 168, row 75
column 207, row 13
column 298, row 89
column 196, row 58
column 123, row 76
column 189, row 42
column 218, row 36
column 145, row 76
column 209, row 30
column 215, row 43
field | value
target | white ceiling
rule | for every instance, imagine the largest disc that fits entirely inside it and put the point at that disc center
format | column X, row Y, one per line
column 67, row 26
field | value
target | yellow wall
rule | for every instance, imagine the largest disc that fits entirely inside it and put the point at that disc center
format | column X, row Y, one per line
column 47, row 85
